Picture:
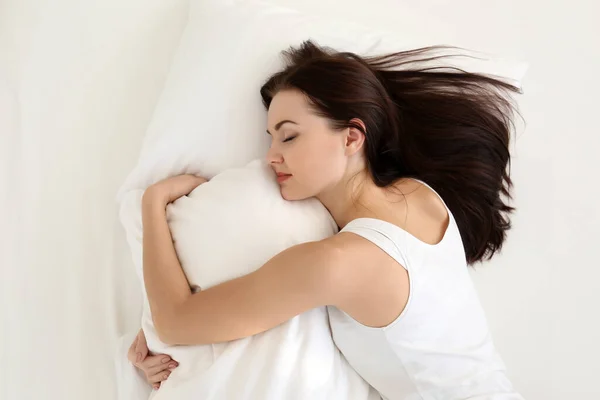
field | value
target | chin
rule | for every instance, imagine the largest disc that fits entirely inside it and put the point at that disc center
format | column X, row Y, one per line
column 289, row 195
column 286, row 195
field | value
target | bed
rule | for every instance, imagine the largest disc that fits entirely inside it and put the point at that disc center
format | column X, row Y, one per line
column 78, row 85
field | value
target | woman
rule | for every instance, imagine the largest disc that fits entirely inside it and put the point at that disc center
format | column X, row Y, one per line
column 363, row 135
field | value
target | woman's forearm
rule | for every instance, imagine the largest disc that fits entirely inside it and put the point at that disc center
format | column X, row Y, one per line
column 292, row 282
column 166, row 285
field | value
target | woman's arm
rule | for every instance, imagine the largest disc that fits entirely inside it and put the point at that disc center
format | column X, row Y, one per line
column 294, row 281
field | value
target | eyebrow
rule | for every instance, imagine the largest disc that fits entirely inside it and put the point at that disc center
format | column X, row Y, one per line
column 278, row 125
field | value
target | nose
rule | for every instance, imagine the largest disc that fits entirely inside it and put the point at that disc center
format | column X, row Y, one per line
column 274, row 156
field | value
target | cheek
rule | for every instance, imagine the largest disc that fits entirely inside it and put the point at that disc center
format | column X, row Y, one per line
column 321, row 164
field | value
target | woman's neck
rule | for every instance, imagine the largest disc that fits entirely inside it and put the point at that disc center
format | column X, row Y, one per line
column 361, row 197
column 351, row 198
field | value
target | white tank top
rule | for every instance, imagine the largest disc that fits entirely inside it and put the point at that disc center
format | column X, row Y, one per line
column 440, row 346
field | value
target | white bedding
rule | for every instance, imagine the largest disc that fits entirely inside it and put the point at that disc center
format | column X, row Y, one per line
column 228, row 228
column 209, row 118
column 78, row 83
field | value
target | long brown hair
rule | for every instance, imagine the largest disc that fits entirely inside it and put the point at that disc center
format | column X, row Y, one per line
column 444, row 126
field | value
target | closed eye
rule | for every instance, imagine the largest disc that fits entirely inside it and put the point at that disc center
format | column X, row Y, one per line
column 290, row 138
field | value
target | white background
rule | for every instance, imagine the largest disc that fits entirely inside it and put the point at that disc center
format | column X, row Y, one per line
column 78, row 83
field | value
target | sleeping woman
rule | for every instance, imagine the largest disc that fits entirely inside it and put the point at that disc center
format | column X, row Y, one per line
column 411, row 162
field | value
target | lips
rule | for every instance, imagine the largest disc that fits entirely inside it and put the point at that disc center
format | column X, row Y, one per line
column 281, row 177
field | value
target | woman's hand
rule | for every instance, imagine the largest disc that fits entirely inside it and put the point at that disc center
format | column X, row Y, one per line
column 170, row 189
column 156, row 367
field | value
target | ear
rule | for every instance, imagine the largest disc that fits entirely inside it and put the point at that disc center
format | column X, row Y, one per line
column 355, row 138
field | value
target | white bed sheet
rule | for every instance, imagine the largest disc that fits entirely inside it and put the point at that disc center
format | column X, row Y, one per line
column 78, row 82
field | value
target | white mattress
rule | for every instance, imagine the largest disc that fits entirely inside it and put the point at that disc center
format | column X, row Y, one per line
column 78, row 83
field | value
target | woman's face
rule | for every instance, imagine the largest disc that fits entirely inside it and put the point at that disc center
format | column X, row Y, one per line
column 306, row 153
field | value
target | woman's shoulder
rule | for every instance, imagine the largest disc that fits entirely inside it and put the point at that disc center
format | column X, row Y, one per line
column 345, row 244
column 351, row 250
column 371, row 284
column 416, row 208
column 338, row 254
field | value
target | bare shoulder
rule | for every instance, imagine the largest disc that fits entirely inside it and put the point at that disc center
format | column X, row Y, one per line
column 421, row 212
column 334, row 263
column 347, row 246
column 346, row 249
column 365, row 281
column 355, row 275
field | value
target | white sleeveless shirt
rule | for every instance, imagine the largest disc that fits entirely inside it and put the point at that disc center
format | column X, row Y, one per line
column 440, row 346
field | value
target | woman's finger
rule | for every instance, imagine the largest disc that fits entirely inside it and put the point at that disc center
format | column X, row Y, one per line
column 159, row 377
column 156, row 370
column 141, row 347
column 131, row 356
column 157, row 360
column 150, row 368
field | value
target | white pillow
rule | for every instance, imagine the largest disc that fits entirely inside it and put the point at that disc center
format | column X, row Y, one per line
column 227, row 228
column 210, row 115
column 235, row 223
